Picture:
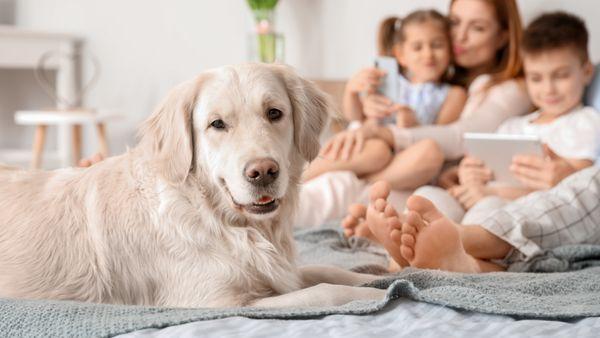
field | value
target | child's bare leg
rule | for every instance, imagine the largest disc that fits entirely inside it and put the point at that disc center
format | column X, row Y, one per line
column 430, row 240
column 374, row 156
column 482, row 244
column 355, row 224
column 413, row 167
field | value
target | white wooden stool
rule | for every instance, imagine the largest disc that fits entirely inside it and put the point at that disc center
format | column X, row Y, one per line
column 68, row 122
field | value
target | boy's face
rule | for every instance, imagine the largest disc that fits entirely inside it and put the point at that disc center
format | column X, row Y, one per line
column 556, row 79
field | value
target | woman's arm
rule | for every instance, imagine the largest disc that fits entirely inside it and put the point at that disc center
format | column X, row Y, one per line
column 453, row 106
column 500, row 102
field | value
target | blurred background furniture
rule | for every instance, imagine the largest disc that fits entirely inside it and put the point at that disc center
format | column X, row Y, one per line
column 20, row 50
column 71, row 119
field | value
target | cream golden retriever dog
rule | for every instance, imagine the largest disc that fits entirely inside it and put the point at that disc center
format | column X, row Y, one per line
column 197, row 215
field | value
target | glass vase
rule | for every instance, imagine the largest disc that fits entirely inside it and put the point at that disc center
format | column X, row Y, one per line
column 265, row 45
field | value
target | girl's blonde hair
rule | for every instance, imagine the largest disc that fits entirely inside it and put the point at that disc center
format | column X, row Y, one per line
column 508, row 59
column 392, row 29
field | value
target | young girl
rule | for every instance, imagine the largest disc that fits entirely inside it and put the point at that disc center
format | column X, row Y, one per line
column 421, row 44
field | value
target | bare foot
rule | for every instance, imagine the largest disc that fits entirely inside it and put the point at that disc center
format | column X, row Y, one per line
column 430, row 240
column 88, row 162
column 382, row 218
column 355, row 224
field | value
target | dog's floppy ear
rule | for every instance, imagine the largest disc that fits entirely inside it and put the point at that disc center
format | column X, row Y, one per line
column 167, row 138
column 311, row 110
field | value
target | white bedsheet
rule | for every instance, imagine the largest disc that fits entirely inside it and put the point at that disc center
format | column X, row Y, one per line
column 404, row 318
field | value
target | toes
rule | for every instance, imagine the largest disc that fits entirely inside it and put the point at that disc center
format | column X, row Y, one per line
column 389, row 211
column 362, row 231
column 424, row 207
column 408, row 228
column 396, row 236
column 407, row 240
column 394, row 223
column 380, row 205
column 379, row 189
column 415, row 219
column 349, row 222
column 407, row 253
column 358, row 210
column 349, row 232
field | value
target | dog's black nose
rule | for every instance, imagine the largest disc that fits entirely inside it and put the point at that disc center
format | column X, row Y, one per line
column 261, row 172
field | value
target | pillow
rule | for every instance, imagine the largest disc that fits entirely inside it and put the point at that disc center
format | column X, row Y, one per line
column 592, row 98
column 592, row 95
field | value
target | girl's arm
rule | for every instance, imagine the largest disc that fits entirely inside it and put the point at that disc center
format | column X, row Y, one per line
column 453, row 106
column 501, row 101
column 352, row 107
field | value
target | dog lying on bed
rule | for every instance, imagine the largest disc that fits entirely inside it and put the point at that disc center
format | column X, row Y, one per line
column 197, row 215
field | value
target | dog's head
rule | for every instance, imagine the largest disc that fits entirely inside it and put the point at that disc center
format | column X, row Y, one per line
column 245, row 130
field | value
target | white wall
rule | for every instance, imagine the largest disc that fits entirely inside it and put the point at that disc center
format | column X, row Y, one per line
column 147, row 46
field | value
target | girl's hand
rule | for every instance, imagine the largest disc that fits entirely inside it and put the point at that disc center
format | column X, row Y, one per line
column 448, row 178
column 405, row 117
column 470, row 194
column 377, row 106
column 537, row 172
column 472, row 170
column 366, row 80
column 344, row 145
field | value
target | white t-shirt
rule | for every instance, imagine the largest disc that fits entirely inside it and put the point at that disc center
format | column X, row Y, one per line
column 575, row 135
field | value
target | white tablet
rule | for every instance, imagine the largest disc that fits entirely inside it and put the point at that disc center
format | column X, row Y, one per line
column 497, row 151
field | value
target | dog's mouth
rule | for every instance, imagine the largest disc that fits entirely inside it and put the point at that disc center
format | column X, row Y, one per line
column 264, row 205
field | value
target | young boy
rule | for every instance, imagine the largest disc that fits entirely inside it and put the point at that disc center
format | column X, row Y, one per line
column 557, row 69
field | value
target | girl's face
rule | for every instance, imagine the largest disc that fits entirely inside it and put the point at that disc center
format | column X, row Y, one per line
column 425, row 52
column 476, row 34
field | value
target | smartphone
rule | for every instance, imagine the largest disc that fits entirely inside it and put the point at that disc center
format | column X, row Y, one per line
column 389, row 85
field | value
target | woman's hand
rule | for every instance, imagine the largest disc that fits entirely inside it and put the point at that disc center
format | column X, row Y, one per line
column 344, row 145
column 366, row 80
column 405, row 117
column 470, row 194
column 472, row 171
column 537, row 172
column 377, row 106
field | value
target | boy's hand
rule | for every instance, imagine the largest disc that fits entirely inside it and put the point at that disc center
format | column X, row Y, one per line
column 472, row 171
column 540, row 173
column 470, row 194
column 405, row 117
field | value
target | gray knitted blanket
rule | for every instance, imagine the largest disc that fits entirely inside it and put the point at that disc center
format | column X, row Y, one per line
column 561, row 296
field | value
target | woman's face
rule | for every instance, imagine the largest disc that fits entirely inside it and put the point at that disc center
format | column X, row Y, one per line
column 476, row 33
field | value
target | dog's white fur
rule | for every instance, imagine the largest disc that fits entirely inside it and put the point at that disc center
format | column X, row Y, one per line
column 158, row 225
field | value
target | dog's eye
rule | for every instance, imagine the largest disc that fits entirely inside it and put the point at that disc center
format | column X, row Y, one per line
column 218, row 124
column 274, row 114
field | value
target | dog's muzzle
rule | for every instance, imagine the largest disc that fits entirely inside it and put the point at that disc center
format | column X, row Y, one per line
column 261, row 172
